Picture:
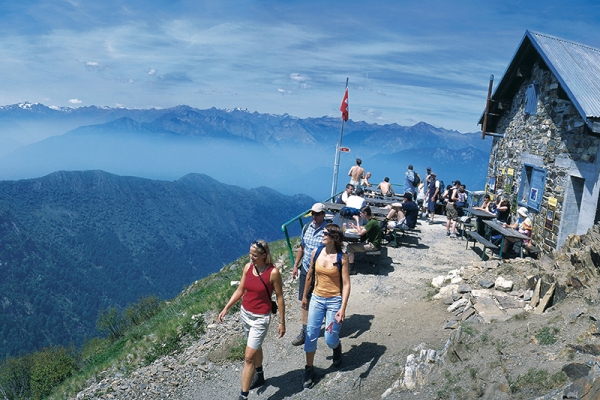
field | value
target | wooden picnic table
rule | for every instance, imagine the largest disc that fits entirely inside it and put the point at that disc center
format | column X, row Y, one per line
column 384, row 201
column 481, row 216
column 505, row 232
column 336, row 207
column 480, row 213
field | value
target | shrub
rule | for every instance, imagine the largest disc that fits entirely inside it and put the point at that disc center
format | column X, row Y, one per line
column 50, row 367
column 15, row 375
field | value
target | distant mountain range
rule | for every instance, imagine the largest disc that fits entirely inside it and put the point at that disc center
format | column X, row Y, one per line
column 289, row 154
column 72, row 243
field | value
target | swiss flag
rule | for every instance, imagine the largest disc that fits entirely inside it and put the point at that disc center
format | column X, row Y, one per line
column 344, row 106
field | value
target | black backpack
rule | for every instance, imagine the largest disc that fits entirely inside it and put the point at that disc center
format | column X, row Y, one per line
column 417, row 180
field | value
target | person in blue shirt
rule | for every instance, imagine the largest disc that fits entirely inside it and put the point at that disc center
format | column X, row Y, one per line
column 312, row 237
column 409, row 185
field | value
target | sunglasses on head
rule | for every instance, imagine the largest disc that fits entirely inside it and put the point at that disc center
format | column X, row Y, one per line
column 259, row 245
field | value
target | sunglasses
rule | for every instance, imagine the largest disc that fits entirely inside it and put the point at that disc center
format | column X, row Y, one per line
column 325, row 233
column 259, row 245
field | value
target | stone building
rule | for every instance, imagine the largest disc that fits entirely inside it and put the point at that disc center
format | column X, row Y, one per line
column 544, row 119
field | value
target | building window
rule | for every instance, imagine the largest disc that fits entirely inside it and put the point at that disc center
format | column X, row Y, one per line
column 531, row 191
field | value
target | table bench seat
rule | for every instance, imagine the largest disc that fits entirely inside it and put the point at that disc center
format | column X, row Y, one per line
column 475, row 237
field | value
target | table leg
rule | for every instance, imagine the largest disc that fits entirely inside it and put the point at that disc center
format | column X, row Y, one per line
column 502, row 245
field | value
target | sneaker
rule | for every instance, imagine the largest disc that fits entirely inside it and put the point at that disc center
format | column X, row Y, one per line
column 337, row 356
column 258, row 380
column 453, row 235
column 309, row 377
column 300, row 338
column 430, row 222
column 242, row 397
column 352, row 270
column 447, row 233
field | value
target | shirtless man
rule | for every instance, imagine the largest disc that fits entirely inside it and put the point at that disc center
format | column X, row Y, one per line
column 356, row 173
column 386, row 187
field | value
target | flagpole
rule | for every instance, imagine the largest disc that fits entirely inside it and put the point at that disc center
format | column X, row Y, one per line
column 336, row 163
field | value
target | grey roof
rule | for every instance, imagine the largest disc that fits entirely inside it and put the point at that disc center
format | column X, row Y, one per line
column 576, row 66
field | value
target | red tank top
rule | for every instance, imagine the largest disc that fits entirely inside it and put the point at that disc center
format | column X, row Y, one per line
column 256, row 299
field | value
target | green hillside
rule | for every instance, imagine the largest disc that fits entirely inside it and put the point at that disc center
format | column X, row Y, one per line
column 72, row 243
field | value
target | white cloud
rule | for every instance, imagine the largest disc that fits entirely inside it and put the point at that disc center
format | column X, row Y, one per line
column 152, row 71
column 299, row 77
column 75, row 101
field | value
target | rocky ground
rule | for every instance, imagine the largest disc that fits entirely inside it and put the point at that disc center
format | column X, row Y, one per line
column 430, row 320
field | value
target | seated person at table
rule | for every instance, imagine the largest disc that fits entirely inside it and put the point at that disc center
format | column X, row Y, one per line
column 343, row 198
column 523, row 225
column 503, row 209
column 386, row 187
column 489, row 207
column 370, row 235
column 486, row 205
column 406, row 213
column 357, row 200
column 365, row 181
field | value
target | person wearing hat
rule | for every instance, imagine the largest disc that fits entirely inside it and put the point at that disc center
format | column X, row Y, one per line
column 406, row 214
column 523, row 224
column 312, row 236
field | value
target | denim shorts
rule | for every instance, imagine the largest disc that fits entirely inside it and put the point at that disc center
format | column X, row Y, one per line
column 322, row 308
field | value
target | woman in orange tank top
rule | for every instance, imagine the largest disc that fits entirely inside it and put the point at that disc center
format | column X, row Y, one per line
column 328, row 301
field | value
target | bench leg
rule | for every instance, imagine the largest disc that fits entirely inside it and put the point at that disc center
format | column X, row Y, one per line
column 483, row 254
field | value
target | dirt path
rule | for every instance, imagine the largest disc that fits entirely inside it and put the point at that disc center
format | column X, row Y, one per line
column 389, row 314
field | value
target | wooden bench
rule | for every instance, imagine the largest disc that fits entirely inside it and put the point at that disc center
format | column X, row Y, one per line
column 531, row 250
column 399, row 233
column 373, row 257
column 464, row 226
column 475, row 237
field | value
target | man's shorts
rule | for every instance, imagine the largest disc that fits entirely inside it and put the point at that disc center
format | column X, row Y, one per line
column 451, row 212
column 361, row 247
column 431, row 205
column 400, row 225
column 301, row 285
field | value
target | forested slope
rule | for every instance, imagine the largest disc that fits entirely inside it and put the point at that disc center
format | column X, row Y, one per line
column 72, row 243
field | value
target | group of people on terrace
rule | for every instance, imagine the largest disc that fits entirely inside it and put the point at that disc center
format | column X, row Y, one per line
column 324, row 263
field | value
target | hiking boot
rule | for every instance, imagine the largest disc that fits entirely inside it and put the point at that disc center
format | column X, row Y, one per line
column 309, row 377
column 300, row 338
column 337, row 355
column 258, row 380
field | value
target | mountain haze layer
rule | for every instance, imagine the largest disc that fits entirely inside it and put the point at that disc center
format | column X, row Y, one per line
column 289, row 154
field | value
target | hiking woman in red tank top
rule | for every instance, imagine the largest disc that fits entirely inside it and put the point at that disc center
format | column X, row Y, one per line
column 259, row 280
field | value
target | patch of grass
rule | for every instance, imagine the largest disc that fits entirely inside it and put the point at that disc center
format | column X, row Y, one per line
column 547, row 335
column 521, row 316
column 537, row 379
column 468, row 329
column 473, row 372
column 238, row 351
column 484, row 337
column 451, row 379
column 430, row 293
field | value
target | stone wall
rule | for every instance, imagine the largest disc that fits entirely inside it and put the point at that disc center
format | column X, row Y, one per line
column 558, row 130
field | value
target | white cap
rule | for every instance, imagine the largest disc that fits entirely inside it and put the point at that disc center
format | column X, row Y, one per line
column 318, row 208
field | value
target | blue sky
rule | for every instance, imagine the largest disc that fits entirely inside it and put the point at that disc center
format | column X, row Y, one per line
column 407, row 61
